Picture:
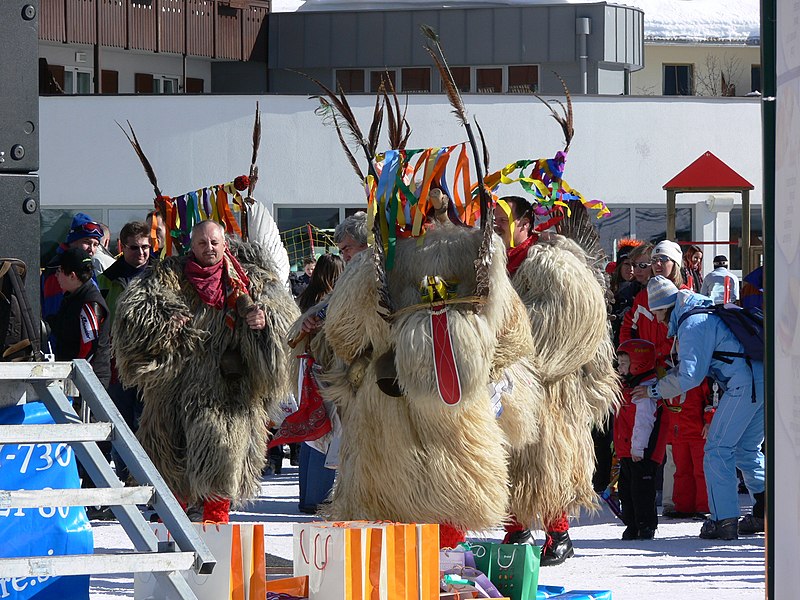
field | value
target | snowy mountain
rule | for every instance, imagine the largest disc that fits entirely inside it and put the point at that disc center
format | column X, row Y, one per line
column 665, row 20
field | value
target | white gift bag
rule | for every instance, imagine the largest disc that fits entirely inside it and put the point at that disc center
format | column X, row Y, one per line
column 240, row 572
column 301, row 549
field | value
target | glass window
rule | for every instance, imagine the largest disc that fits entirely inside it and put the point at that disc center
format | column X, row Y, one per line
column 613, row 228
column 84, row 83
column 77, row 81
column 416, row 80
column 376, row 77
column 755, row 78
column 650, row 224
column 298, row 237
column 756, row 234
column 463, row 78
column 350, row 80
column 523, row 79
column 678, row 80
column 489, row 81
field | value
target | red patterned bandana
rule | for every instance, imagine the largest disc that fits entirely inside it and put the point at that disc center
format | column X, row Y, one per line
column 219, row 285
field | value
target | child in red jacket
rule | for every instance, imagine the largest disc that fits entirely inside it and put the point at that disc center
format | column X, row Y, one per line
column 639, row 441
column 688, row 424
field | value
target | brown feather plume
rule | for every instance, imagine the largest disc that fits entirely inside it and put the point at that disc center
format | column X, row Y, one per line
column 137, row 147
column 375, row 127
column 327, row 112
column 484, row 146
column 256, row 143
column 578, row 226
column 565, row 119
column 399, row 129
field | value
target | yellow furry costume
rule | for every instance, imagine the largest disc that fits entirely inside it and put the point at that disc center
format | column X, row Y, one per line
column 573, row 357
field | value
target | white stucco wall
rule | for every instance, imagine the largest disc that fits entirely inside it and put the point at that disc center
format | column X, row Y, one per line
column 624, row 150
column 649, row 81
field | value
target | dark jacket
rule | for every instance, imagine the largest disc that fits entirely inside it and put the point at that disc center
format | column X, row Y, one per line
column 66, row 329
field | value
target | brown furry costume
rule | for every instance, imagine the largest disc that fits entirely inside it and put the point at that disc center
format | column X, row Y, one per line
column 573, row 356
column 206, row 434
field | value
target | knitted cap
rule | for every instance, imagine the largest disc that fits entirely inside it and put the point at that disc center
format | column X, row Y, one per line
column 670, row 249
column 642, row 354
column 720, row 260
column 661, row 293
column 74, row 260
column 84, row 227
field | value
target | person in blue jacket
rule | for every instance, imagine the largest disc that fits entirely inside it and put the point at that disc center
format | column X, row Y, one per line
column 737, row 429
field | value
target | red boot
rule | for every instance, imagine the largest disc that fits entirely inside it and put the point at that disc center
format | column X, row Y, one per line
column 216, row 511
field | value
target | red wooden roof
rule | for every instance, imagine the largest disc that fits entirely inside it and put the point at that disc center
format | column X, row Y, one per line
column 708, row 173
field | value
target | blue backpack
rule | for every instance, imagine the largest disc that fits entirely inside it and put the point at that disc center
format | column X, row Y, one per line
column 747, row 324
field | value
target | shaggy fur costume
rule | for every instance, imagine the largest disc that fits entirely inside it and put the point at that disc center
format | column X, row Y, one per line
column 206, row 434
column 574, row 358
column 414, row 458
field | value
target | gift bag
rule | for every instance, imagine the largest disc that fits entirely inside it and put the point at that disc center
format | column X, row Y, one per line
column 292, row 586
column 300, row 548
column 548, row 591
column 515, row 569
column 336, row 567
column 475, row 578
column 584, row 595
column 427, row 541
column 240, row 573
column 482, row 553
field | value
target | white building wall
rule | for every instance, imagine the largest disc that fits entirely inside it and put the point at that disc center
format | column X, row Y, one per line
column 649, row 81
column 624, row 150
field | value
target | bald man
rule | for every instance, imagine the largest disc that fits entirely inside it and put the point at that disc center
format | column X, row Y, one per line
column 203, row 337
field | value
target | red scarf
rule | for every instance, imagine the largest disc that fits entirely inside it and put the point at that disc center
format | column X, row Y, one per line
column 219, row 285
column 517, row 254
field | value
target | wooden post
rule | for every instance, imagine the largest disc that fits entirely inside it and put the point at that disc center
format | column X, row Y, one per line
column 671, row 214
column 745, row 232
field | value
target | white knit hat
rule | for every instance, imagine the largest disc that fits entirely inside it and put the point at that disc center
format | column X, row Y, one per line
column 661, row 293
column 670, row 249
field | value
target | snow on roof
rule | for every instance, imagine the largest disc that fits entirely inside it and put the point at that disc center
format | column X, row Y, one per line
column 664, row 20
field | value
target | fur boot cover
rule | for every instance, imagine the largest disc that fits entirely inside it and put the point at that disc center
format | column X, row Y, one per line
column 206, row 434
column 414, row 458
column 574, row 357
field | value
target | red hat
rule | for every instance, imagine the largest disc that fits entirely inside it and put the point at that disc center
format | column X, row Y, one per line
column 642, row 354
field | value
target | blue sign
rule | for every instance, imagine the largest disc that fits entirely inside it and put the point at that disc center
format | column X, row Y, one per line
column 46, row 531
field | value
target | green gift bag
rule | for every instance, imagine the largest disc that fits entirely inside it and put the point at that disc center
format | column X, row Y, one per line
column 514, row 569
column 482, row 551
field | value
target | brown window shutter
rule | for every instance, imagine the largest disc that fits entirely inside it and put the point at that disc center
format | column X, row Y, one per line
column 194, row 85
column 110, row 82
column 143, row 83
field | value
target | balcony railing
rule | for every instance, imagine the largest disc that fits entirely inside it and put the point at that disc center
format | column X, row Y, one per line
column 220, row 29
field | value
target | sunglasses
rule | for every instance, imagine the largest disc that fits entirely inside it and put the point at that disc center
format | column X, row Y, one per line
column 142, row 248
column 642, row 265
column 661, row 258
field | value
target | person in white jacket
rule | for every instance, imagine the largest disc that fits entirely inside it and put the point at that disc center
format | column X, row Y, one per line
column 721, row 285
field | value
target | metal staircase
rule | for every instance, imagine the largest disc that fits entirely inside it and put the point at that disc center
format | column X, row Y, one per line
column 149, row 556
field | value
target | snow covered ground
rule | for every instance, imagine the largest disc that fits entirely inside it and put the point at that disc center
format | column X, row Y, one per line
column 677, row 564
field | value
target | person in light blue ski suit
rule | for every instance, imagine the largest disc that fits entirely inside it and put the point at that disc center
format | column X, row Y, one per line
column 737, row 429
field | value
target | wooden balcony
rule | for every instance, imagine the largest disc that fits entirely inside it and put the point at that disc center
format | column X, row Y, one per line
column 217, row 29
